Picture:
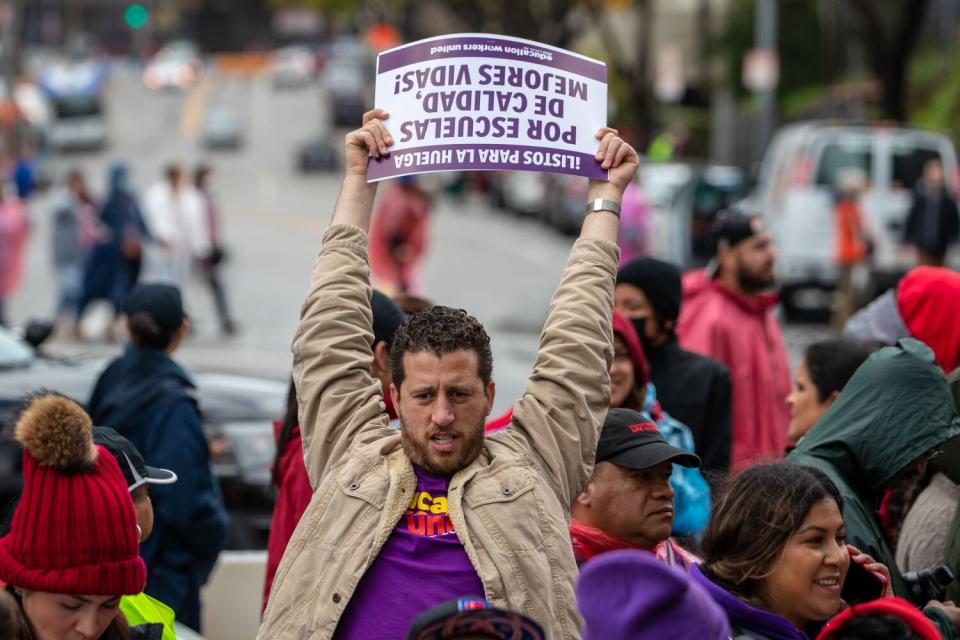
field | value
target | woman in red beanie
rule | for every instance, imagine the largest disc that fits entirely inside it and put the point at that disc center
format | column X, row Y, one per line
column 73, row 546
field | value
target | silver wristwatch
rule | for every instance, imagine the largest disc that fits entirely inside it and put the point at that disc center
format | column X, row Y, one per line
column 599, row 204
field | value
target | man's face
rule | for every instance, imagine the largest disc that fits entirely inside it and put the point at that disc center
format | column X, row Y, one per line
column 443, row 405
column 635, row 505
column 933, row 175
column 754, row 263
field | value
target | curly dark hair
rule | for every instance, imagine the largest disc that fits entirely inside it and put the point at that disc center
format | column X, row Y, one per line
column 441, row 330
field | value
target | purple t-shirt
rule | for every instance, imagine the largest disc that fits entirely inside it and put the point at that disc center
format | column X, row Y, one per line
column 421, row 565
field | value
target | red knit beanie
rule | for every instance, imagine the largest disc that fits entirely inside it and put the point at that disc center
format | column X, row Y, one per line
column 75, row 528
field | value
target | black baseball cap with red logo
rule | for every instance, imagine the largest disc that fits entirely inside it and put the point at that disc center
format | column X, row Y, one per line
column 632, row 441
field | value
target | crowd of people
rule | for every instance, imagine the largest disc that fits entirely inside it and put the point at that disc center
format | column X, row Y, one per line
column 101, row 247
column 661, row 476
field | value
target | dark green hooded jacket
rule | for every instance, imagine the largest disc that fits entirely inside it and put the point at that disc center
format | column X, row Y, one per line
column 953, row 462
column 895, row 409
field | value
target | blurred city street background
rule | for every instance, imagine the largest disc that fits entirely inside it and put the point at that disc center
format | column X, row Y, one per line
column 769, row 106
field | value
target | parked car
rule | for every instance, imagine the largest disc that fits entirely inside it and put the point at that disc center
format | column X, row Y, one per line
column 350, row 80
column 521, row 192
column 795, row 192
column 293, row 67
column 238, row 414
column 175, row 66
column 318, row 155
column 565, row 199
column 684, row 199
column 221, row 129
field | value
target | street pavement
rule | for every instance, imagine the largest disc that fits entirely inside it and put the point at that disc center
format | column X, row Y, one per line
column 500, row 268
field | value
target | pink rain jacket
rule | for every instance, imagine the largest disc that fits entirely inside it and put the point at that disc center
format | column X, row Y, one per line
column 743, row 334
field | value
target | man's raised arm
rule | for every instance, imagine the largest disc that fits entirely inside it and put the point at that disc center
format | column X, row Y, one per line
column 568, row 393
column 338, row 398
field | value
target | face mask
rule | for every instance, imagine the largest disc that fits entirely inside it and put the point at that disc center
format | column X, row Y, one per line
column 638, row 326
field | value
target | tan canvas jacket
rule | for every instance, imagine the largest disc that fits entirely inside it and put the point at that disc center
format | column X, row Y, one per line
column 510, row 507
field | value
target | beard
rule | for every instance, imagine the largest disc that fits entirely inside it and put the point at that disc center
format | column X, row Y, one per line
column 419, row 452
column 755, row 281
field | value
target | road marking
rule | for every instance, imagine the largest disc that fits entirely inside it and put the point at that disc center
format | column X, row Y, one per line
column 194, row 107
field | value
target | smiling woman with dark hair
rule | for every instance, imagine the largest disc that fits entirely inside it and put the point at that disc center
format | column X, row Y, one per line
column 775, row 552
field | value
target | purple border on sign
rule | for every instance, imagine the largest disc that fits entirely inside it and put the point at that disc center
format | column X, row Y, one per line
column 382, row 168
column 420, row 52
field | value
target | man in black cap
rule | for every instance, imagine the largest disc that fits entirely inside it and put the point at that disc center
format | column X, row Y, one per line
column 149, row 399
column 628, row 501
column 140, row 608
column 692, row 388
column 728, row 315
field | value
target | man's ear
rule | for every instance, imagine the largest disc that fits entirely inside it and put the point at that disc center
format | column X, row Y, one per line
column 381, row 358
column 490, row 392
column 585, row 498
column 395, row 396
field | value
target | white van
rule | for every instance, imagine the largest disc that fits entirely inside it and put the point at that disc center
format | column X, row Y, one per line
column 796, row 188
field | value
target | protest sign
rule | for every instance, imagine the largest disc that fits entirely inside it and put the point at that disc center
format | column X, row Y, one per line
column 479, row 102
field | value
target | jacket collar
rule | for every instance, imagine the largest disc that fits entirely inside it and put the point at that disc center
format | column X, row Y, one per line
column 746, row 616
column 156, row 361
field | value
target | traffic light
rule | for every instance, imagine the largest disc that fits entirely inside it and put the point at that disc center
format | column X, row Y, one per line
column 136, row 16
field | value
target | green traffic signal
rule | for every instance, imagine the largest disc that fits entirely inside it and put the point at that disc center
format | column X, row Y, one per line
column 136, row 16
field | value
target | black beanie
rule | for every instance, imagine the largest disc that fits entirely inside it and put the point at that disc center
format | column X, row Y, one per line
column 387, row 317
column 659, row 281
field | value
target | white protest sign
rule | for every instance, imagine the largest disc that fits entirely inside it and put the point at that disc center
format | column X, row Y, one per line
column 478, row 102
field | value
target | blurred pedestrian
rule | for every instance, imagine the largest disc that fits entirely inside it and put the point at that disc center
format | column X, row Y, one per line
column 628, row 500
column 14, row 228
column 692, row 388
column 399, row 236
column 892, row 415
column 933, row 223
column 826, row 368
column 927, row 527
column 775, row 557
column 634, row 236
column 139, row 608
column 852, row 245
column 470, row 618
column 629, row 594
column 290, row 478
column 149, row 399
column 631, row 389
column 114, row 262
column 178, row 226
column 75, row 232
column 404, row 520
column 924, row 305
column 727, row 315
column 24, row 175
column 72, row 550
column 210, row 264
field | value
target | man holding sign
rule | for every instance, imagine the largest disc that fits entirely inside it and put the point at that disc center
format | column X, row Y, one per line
column 401, row 521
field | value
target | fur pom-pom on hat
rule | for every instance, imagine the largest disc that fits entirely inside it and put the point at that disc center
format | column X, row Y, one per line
column 57, row 432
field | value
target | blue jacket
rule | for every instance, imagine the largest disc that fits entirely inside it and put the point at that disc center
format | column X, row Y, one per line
column 146, row 397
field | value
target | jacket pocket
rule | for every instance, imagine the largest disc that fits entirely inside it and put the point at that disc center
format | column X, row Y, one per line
column 356, row 480
column 510, row 510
